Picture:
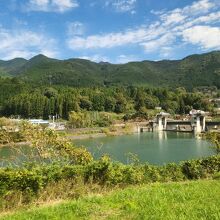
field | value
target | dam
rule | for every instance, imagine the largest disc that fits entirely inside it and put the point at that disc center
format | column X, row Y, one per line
column 197, row 123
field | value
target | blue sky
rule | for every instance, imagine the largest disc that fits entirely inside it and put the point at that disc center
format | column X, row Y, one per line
column 116, row 31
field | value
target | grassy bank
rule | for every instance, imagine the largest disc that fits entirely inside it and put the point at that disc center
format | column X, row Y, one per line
column 21, row 187
column 98, row 189
column 114, row 130
column 187, row 200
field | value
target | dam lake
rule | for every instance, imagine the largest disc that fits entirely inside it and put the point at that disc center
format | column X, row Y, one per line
column 152, row 147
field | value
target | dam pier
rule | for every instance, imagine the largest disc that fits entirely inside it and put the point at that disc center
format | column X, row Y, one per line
column 196, row 123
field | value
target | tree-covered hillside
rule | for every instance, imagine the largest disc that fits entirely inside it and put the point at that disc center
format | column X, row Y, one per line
column 190, row 72
column 12, row 66
column 32, row 101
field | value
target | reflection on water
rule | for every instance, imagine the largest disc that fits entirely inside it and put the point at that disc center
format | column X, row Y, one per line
column 152, row 147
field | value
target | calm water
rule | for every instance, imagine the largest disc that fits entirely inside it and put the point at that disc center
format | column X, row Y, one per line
column 155, row 148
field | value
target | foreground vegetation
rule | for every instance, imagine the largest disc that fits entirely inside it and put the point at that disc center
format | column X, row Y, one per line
column 33, row 183
column 56, row 170
column 188, row 200
column 214, row 137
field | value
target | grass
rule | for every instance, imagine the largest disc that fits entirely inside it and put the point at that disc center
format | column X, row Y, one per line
column 188, row 200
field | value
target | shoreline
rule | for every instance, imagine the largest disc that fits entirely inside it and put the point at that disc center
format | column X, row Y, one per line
column 97, row 135
column 86, row 136
column 88, row 133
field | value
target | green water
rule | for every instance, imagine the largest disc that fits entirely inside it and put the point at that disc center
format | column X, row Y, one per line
column 14, row 155
column 155, row 148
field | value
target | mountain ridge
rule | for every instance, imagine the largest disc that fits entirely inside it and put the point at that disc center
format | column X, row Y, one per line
column 191, row 71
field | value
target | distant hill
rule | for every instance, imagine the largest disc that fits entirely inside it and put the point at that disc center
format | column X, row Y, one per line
column 12, row 66
column 192, row 71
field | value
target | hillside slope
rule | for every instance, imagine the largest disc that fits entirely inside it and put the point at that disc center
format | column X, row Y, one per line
column 9, row 68
column 192, row 71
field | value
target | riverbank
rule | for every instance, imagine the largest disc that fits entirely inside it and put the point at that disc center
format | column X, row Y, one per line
column 89, row 133
column 187, row 200
column 115, row 130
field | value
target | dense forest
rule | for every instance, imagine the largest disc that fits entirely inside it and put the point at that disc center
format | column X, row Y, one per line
column 28, row 101
column 190, row 72
column 42, row 86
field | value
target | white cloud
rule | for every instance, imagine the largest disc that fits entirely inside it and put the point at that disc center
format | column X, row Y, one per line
column 111, row 40
column 198, row 7
column 96, row 58
column 107, row 40
column 212, row 17
column 209, row 19
column 166, row 51
column 204, row 36
column 159, row 43
column 75, row 28
column 59, row 6
column 195, row 9
column 119, row 59
column 186, row 14
column 173, row 28
column 122, row 5
column 172, row 18
column 126, row 58
column 24, row 43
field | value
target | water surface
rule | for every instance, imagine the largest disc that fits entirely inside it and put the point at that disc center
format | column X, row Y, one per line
column 153, row 147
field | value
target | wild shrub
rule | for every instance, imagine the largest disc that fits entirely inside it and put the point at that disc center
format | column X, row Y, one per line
column 35, row 181
column 171, row 172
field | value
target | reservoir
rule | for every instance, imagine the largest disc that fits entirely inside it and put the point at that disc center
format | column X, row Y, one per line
column 153, row 147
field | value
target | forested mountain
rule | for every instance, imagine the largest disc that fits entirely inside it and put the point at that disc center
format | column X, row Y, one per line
column 30, row 101
column 192, row 71
column 12, row 66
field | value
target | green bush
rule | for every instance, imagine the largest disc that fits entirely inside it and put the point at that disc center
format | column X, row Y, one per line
column 32, row 179
column 196, row 169
column 21, row 180
column 216, row 176
column 171, row 172
column 97, row 171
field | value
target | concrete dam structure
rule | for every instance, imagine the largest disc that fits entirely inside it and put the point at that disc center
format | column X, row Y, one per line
column 197, row 123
